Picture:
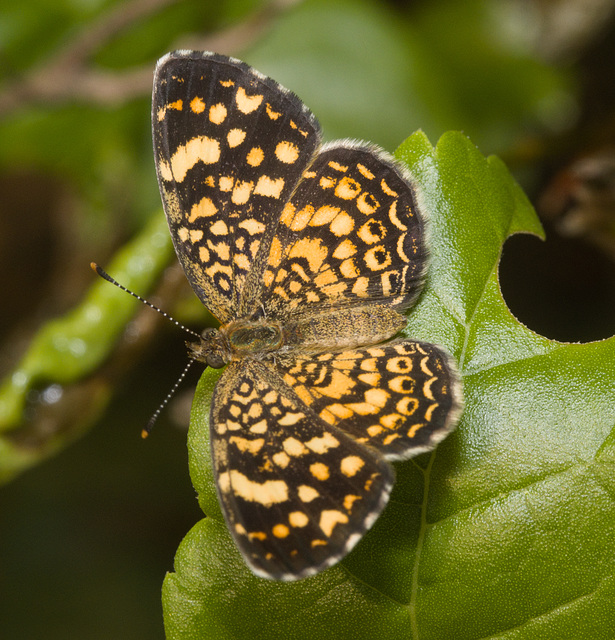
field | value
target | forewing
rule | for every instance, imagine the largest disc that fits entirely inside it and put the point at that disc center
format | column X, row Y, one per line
column 230, row 145
column 297, row 493
column 352, row 233
column 401, row 397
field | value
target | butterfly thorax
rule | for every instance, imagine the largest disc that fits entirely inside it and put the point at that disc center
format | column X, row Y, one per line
column 312, row 333
column 237, row 339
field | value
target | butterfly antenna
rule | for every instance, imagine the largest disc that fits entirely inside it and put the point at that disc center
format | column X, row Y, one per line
column 148, row 427
column 103, row 274
column 152, row 421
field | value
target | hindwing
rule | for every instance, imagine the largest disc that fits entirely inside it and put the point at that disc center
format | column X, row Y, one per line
column 297, row 493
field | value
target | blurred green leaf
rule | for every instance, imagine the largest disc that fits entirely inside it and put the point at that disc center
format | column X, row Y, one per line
column 368, row 70
column 507, row 529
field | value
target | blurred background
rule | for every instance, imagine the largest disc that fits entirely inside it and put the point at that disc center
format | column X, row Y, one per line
column 89, row 525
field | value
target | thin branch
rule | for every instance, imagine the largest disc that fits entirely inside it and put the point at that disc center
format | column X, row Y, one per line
column 69, row 76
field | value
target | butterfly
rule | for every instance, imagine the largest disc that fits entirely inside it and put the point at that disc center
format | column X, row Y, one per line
column 307, row 254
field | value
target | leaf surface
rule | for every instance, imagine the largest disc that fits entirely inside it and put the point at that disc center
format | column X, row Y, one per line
column 507, row 529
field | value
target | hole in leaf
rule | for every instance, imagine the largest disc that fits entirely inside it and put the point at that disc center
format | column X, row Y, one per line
column 561, row 288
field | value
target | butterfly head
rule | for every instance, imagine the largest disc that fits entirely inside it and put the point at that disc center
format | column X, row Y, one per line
column 212, row 348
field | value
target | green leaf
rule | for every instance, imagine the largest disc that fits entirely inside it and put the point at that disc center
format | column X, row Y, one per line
column 507, row 529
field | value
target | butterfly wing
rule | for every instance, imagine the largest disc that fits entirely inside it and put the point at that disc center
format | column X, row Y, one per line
column 400, row 398
column 296, row 492
column 230, row 146
column 352, row 234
